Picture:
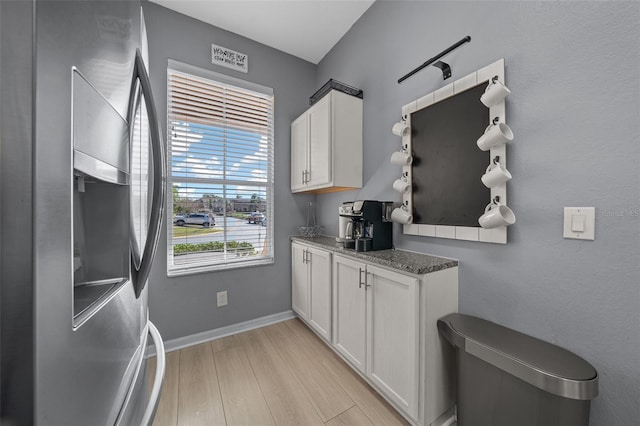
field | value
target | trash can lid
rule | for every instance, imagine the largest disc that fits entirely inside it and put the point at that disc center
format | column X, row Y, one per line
column 542, row 364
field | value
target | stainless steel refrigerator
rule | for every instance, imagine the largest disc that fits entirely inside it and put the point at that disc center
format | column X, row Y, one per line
column 82, row 182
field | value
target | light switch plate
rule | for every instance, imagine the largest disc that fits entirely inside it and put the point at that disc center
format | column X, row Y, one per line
column 576, row 218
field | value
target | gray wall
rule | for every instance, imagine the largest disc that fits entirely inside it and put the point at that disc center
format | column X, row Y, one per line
column 186, row 305
column 573, row 69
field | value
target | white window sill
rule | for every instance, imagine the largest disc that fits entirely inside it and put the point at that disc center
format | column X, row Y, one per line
column 192, row 270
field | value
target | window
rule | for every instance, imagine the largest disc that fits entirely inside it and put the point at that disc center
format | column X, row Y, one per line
column 220, row 202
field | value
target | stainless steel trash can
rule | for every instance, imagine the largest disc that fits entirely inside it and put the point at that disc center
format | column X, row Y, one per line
column 507, row 378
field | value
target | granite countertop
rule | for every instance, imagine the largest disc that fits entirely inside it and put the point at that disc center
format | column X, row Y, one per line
column 407, row 261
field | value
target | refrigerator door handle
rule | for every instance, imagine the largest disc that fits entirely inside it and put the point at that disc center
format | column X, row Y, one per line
column 154, row 398
column 141, row 273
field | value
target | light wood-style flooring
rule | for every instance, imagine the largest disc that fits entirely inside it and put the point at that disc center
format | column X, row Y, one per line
column 282, row 374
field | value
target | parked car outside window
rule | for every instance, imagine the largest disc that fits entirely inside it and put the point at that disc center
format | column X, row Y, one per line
column 256, row 217
column 194, row 219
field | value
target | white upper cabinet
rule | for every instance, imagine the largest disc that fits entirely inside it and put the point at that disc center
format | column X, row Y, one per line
column 326, row 145
column 319, row 163
column 299, row 153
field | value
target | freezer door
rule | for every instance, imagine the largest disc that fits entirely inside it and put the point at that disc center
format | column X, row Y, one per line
column 141, row 404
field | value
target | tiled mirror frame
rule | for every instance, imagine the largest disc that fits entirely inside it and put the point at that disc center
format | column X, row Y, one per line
column 467, row 233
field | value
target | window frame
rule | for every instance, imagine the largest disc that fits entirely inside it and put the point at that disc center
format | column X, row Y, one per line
column 223, row 80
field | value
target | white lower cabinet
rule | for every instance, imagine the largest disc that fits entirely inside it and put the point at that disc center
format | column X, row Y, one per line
column 384, row 325
column 320, row 291
column 376, row 327
column 392, row 336
column 311, row 287
column 299, row 281
column 383, row 322
column 349, row 311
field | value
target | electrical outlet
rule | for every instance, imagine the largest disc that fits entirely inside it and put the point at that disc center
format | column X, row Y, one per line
column 222, row 298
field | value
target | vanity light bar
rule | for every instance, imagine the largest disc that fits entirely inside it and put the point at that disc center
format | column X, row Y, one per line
column 446, row 69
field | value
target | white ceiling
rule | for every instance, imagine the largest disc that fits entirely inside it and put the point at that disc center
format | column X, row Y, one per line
column 307, row 29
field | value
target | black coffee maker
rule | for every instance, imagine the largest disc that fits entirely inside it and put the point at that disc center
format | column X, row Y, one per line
column 370, row 226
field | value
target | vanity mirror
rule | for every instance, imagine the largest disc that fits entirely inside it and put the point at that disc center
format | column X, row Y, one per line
column 458, row 135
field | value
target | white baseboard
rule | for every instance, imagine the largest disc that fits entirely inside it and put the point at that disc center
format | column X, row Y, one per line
column 218, row 333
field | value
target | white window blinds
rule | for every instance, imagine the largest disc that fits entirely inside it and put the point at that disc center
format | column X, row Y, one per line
column 220, row 138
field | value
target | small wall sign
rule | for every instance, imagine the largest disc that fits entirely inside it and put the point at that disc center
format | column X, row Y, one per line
column 229, row 58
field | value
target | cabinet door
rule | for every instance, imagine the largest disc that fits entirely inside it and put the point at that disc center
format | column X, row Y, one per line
column 349, row 300
column 299, row 153
column 392, row 334
column 299, row 281
column 320, row 292
column 319, row 117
